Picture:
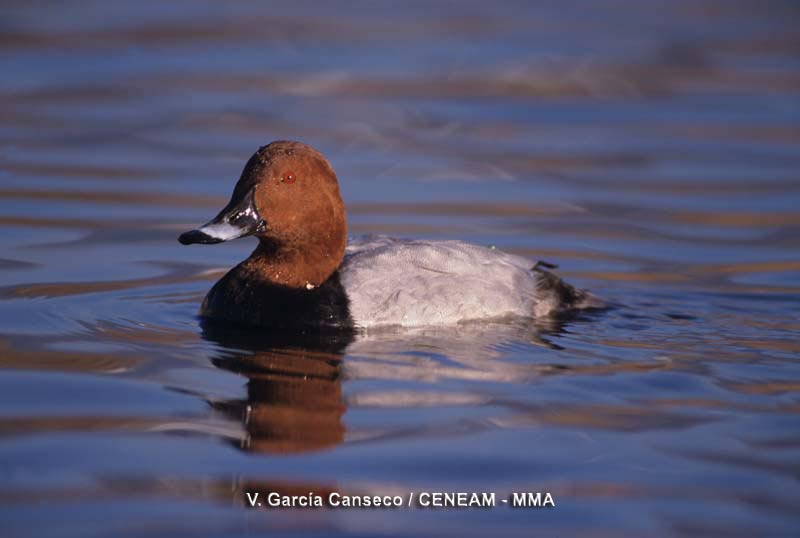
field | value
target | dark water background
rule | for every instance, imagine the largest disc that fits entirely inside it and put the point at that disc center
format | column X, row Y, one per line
column 651, row 149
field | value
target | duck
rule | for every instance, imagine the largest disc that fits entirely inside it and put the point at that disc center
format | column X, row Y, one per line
column 304, row 273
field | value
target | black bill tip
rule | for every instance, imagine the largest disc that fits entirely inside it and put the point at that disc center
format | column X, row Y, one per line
column 197, row 237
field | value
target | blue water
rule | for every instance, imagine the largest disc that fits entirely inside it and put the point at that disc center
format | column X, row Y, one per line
column 650, row 150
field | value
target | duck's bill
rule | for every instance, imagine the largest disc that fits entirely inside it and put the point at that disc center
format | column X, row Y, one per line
column 240, row 218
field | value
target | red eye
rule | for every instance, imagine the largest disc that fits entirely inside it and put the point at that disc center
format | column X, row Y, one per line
column 289, row 178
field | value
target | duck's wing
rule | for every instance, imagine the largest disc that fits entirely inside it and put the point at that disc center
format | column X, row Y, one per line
column 421, row 282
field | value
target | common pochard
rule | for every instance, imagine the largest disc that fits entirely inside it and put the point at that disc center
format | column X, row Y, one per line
column 303, row 273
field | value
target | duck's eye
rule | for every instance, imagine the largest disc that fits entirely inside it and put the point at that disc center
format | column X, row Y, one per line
column 289, row 177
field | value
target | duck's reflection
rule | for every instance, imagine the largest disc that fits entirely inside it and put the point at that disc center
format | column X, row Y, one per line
column 294, row 390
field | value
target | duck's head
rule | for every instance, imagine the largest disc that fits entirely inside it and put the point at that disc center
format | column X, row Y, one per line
column 288, row 197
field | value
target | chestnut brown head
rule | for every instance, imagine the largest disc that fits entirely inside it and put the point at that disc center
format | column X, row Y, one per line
column 287, row 196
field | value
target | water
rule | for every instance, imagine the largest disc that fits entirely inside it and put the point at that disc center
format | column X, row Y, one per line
column 650, row 151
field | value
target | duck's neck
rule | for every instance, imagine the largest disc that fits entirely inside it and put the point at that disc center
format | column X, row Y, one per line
column 305, row 268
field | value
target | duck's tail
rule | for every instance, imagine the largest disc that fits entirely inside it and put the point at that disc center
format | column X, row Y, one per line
column 556, row 297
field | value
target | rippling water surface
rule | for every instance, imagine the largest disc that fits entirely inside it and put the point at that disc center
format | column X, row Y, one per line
column 652, row 150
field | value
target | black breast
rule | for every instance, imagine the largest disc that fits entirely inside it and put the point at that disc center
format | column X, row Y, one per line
column 239, row 299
